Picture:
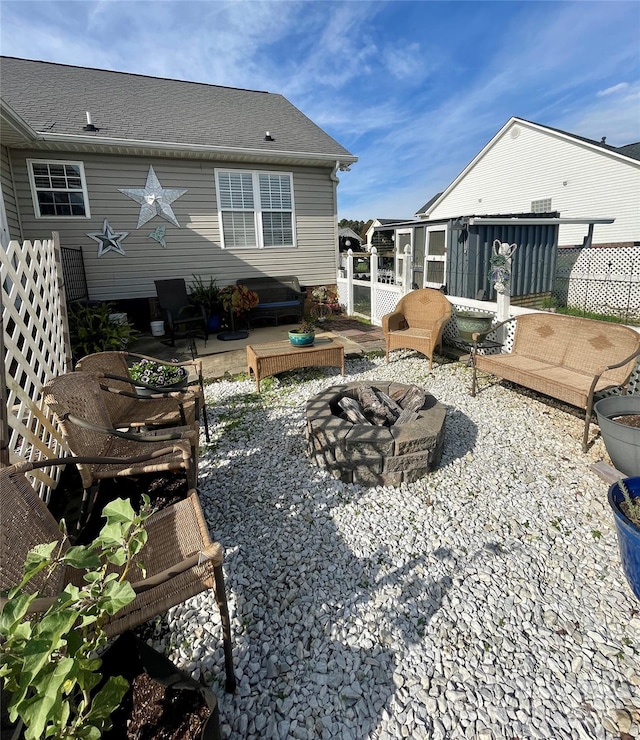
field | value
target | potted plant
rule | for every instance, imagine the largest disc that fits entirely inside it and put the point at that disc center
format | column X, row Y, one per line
column 237, row 300
column 91, row 329
column 208, row 296
column 154, row 375
column 619, row 422
column 624, row 499
column 61, row 682
column 304, row 335
column 49, row 660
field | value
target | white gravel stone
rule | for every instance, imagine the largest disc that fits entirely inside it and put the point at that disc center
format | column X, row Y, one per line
column 484, row 600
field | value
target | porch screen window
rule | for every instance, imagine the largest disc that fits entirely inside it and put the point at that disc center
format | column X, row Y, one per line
column 59, row 189
column 256, row 209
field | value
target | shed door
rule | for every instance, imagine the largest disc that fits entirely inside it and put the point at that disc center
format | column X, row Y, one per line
column 403, row 239
column 435, row 258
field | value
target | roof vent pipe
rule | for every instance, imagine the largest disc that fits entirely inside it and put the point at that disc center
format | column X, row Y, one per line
column 89, row 126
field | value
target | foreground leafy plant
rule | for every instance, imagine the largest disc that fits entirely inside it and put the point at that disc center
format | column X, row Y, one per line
column 49, row 660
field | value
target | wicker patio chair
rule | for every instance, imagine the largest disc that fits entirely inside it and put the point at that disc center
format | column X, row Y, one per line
column 78, row 402
column 179, row 557
column 114, row 367
column 417, row 322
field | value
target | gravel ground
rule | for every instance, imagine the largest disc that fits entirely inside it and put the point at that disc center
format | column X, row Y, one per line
column 484, row 601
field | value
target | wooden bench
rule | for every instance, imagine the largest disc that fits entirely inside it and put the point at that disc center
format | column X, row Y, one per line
column 278, row 297
column 565, row 357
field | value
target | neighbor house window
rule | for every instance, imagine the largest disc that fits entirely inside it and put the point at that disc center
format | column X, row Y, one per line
column 541, row 206
column 255, row 208
column 58, row 188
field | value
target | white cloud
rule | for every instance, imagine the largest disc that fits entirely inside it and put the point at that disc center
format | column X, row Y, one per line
column 613, row 89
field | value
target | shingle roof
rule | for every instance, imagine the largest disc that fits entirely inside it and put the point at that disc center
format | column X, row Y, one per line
column 53, row 99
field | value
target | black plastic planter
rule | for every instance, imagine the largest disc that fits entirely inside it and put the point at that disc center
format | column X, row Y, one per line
column 129, row 656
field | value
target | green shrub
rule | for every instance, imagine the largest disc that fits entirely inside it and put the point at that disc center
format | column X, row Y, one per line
column 91, row 330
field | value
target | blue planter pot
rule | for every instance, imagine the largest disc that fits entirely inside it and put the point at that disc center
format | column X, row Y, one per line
column 628, row 533
column 301, row 340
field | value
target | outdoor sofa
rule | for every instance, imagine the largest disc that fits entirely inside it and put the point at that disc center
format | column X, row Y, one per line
column 566, row 357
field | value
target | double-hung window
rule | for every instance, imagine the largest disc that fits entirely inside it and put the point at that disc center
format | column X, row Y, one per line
column 58, row 188
column 255, row 208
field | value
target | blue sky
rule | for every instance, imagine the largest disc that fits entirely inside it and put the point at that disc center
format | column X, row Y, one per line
column 414, row 89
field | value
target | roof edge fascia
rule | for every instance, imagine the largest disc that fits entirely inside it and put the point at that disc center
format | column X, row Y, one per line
column 195, row 148
column 472, row 163
column 17, row 122
column 488, row 221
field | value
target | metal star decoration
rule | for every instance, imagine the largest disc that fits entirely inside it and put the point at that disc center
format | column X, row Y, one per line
column 108, row 239
column 158, row 235
column 154, row 199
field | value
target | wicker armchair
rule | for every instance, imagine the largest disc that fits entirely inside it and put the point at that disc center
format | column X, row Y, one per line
column 179, row 557
column 78, row 401
column 114, row 367
column 417, row 322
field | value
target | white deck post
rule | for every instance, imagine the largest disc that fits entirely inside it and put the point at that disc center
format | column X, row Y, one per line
column 407, row 270
column 350, row 282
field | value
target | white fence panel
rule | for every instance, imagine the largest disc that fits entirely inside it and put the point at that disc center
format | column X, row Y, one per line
column 36, row 349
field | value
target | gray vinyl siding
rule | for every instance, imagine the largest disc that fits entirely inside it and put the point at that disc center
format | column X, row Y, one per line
column 13, row 221
column 194, row 247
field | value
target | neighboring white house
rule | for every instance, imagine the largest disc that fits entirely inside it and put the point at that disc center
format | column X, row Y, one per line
column 530, row 168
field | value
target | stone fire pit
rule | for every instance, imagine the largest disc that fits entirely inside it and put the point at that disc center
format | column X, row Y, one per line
column 368, row 454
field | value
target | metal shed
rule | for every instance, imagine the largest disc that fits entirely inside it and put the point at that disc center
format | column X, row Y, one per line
column 458, row 260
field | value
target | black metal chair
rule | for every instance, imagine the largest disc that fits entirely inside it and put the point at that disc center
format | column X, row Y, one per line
column 181, row 317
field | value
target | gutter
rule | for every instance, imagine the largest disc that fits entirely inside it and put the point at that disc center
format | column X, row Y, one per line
column 533, row 221
column 208, row 148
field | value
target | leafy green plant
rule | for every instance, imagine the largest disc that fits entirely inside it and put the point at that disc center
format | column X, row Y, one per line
column 49, row 661
column 91, row 330
column 238, row 299
column 204, row 294
column 306, row 327
column 630, row 506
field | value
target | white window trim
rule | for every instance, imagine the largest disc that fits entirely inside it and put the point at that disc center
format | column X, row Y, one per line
column 257, row 209
column 34, row 190
column 436, row 257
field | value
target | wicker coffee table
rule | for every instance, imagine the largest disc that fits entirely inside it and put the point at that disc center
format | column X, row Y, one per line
column 272, row 358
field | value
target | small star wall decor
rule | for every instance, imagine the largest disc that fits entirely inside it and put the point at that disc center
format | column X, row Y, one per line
column 154, row 199
column 158, row 236
column 108, row 239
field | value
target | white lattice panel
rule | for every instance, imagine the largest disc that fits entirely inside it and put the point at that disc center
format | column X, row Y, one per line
column 600, row 280
column 36, row 348
column 386, row 299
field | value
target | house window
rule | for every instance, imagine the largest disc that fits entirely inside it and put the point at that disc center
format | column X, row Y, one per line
column 255, row 209
column 541, row 206
column 59, row 189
